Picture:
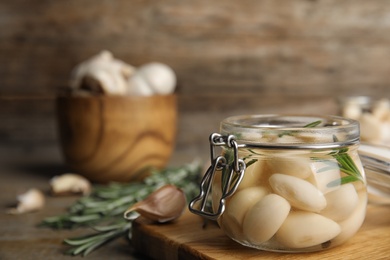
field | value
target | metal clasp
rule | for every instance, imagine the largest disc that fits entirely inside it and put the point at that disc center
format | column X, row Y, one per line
column 232, row 174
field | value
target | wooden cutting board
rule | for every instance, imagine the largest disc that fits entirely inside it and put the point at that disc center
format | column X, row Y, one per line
column 188, row 239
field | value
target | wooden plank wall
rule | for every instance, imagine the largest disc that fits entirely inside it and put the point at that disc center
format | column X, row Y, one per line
column 230, row 57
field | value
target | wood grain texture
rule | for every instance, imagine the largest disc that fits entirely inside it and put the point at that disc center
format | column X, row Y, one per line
column 29, row 123
column 295, row 48
column 21, row 238
column 266, row 56
column 186, row 239
column 116, row 138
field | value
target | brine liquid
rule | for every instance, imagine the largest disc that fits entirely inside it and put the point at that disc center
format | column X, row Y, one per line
column 294, row 201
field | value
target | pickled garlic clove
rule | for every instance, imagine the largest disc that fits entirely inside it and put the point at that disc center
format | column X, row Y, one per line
column 243, row 201
column 381, row 109
column 352, row 110
column 300, row 193
column 70, row 183
column 165, row 204
column 256, row 174
column 305, row 229
column 264, row 219
column 298, row 167
column 352, row 224
column 31, row 200
column 341, row 202
column 370, row 128
column 323, row 175
column 231, row 227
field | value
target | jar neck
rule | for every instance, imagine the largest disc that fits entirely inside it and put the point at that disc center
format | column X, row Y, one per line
column 292, row 132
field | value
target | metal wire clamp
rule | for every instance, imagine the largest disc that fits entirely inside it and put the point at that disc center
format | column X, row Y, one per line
column 232, row 174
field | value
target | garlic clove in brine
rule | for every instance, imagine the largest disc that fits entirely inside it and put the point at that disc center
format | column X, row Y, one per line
column 70, row 183
column 31, row 200
column 165, row 204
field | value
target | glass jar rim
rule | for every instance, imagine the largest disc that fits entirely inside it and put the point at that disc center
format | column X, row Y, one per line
column 292, row 131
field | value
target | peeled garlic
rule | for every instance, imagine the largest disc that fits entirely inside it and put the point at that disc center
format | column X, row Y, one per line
column 300, row 193
column 152, row 78
column 370, row 128
column 374, row 124
column 341, row 202
column 231, row 227
column 352, row 110
column 381, row 109
column 216, row 193
column 352, row 224
column 298, row 167
column 29, row 201
column 243, row 201
column 323, row 175
column 70, row 183
column 264, row 219
column 256, row 174
column 305, row 229
column 163, row 205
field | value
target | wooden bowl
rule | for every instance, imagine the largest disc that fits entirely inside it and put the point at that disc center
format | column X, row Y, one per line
column 116, row 138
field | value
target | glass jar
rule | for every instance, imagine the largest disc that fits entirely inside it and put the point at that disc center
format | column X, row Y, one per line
column 285, row 183
column 373, row 114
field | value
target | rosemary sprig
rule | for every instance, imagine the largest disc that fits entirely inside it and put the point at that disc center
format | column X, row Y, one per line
column 313, row 124
column 103, row 209
column 344, row 162
column 346, row 165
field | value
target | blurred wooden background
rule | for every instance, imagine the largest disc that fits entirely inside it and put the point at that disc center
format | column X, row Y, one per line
column 231, row 57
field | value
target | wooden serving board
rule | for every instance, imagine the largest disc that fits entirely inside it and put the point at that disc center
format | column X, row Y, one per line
column 187, row 238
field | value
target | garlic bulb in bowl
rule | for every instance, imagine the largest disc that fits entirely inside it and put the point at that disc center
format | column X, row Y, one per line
column 152, row 78
column 104, row 74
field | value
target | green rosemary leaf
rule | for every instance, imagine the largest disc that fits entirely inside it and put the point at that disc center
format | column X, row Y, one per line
column 290, row 133
column 82, row 219
column 313, row 124
column 79, row 240
column 101, row 242
column 251, row 162
column 327, row 168
column 83, row 247
column 343, row 180
column 310, row 125
column 253, row 152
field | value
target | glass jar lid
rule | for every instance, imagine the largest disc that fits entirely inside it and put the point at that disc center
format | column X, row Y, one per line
column 292, row 131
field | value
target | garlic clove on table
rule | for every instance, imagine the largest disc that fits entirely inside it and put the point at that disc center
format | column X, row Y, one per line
column 31, row 200
column 70, row 183
column 165, row 204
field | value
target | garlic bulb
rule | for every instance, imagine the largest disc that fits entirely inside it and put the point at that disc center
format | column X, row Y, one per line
column 29, row 201
column 102, row 73
column 165, row 204
column 70, row 183
column 152, row 78
column 107, row 75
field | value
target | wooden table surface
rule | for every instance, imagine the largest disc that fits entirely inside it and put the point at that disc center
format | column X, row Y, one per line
column 20, row 238
column 188, row 238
